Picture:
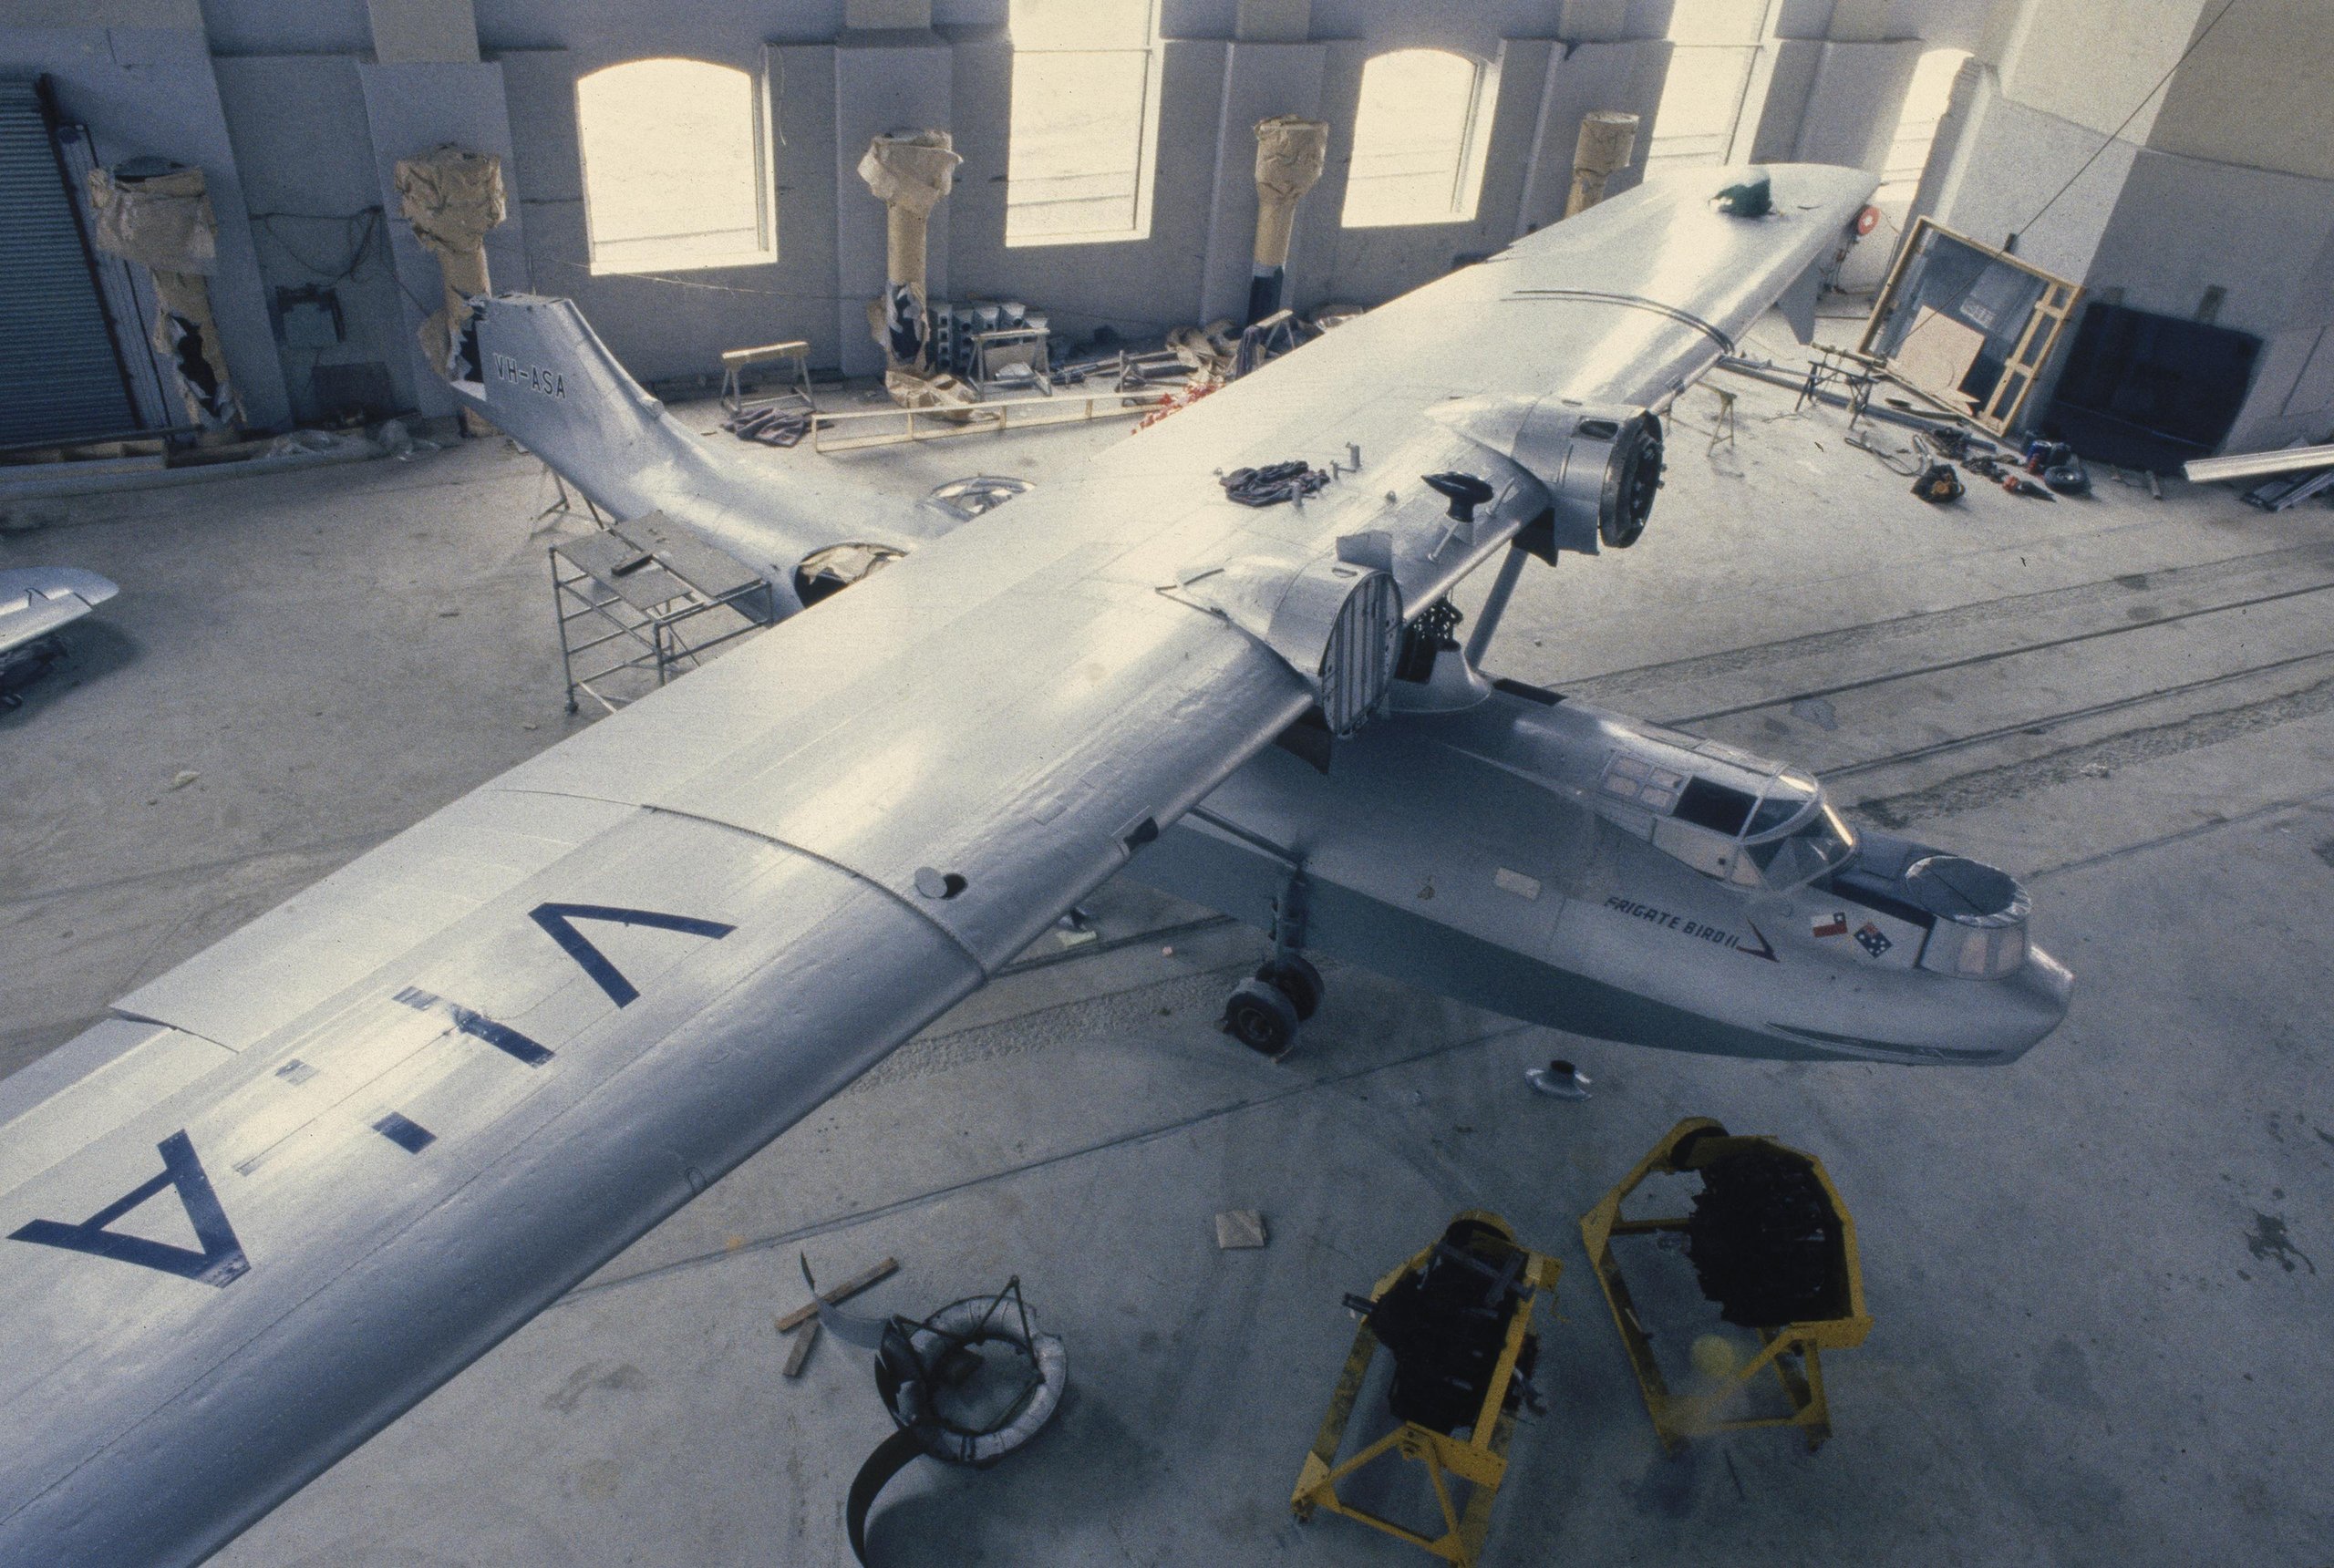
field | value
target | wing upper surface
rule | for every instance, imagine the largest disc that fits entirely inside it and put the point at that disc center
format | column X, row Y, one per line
column 380, row 1127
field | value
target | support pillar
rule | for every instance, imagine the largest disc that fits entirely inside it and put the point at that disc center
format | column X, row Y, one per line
column 1290, row 151
column 1607, row 140
column 452, row 197
column 158, row 213
column 909, row 174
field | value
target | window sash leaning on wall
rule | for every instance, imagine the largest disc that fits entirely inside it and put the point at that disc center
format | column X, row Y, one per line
column 1083, row 143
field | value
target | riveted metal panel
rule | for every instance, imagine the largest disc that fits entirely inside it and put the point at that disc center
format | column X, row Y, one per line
column 58, row 375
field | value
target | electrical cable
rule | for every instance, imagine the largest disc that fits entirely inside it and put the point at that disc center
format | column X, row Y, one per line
column 2115, row 135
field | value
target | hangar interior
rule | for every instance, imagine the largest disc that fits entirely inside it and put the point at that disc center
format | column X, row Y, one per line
column 2089, row 1317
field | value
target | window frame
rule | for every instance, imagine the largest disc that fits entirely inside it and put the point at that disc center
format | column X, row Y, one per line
column 1146, row 170
column 1466, row 195
column 764, row 179
column 1759, row 46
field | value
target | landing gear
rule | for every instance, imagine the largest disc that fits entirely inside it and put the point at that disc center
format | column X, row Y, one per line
column 1263, row 1012
column 1260, row 1017
column 1292, row 976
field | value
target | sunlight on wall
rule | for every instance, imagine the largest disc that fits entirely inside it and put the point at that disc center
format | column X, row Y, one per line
column 1717, row 46
column 1418, row 140
column 1085, row 123
column 673, row 155
column 1925, row 106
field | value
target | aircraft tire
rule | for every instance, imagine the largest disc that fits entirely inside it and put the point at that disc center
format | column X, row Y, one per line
column 1293, row 976
column 1260, row 1017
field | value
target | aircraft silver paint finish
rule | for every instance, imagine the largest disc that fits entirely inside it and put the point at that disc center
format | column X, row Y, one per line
column 36, row 602
column 408, row 1108
column 1465, row 852
column 555, row 389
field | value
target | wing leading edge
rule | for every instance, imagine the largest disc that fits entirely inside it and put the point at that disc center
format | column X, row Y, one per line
column 381, row 1128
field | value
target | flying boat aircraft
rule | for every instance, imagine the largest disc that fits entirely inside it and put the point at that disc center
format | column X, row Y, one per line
column 405, row 1110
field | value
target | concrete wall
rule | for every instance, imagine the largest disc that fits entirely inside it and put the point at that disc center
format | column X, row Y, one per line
column 2222, row 179
column 307, row 102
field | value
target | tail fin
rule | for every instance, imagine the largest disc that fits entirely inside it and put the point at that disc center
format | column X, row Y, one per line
column 534, row 368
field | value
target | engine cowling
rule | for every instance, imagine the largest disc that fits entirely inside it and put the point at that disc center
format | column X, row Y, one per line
column 1601, row 467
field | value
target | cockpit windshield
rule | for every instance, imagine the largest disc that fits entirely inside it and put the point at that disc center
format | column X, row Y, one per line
column 1815, row 842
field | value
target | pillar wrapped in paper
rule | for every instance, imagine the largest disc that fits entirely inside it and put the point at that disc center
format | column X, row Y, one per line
column 158, row 213
column 1290, row 152
column 909, row 174
column 452, row 197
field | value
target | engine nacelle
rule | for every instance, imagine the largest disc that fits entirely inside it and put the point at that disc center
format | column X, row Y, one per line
column 1601, row 467
column 1336, row 623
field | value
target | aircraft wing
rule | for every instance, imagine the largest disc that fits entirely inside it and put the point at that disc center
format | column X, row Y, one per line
column 36, row 601
column 297, row 1183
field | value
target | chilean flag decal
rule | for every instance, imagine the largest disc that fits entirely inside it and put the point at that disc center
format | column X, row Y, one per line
column 1832, row 924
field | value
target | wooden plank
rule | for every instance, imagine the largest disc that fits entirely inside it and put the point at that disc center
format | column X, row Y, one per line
column 800, row 1350
column 836, row 1294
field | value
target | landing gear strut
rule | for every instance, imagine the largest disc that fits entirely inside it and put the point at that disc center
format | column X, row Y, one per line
column 1263, row 1012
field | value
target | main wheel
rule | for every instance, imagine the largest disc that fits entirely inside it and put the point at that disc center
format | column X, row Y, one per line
column 1260, row 1017
column 1295, row 977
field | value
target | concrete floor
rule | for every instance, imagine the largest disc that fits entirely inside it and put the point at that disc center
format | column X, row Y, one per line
column 2102, row 1326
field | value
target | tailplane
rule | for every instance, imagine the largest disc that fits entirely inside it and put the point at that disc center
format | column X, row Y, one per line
column 533, row 367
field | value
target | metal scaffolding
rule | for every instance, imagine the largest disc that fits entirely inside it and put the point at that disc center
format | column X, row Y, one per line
column 642, row 601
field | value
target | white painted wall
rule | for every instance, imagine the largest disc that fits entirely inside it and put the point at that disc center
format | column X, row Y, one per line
column 294, row 98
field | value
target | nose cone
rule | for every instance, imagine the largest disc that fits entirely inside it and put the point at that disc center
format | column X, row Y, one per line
column 2028, row 1002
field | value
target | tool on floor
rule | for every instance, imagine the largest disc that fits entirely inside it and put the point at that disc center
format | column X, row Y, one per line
column 1773, row 1247
column 1455, row 1323
column 967, row 1386
column 1938, row 484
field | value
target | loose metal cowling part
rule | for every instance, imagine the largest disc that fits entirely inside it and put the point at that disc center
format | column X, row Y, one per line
column 1831, row 1315
column 927, row 1367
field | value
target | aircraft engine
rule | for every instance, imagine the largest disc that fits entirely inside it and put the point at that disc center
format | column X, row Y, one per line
column 1601, row 467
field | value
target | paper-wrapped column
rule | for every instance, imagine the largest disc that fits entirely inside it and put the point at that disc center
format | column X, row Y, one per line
column 909, row 174
column 1289, row 155
column 158, row 214
column 452, row 197
column 1606, row 139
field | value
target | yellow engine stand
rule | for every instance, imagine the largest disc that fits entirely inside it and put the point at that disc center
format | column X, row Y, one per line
column 1479, row 1458
column 1792, row 1352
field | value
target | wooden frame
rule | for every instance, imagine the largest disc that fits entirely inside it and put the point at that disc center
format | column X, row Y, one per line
column 2037, row 339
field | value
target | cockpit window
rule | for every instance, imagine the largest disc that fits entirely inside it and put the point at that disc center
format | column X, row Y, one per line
column 1821, row 843
column 1716, row 807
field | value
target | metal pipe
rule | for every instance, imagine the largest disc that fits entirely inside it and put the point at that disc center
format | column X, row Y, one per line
column 2259, row 465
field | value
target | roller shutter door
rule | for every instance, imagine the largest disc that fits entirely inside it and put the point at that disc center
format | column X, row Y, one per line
column 59, row 379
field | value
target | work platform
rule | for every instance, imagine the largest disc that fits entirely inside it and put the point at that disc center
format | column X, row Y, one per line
column 641, row 602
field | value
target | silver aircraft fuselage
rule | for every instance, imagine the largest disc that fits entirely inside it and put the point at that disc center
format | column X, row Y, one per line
column 1464, row 846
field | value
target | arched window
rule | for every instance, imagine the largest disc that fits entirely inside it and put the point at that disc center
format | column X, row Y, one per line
column 673, row 167
column 1925, row 106
column 1418, row 140
column 1085, row 126
column 1714, row 53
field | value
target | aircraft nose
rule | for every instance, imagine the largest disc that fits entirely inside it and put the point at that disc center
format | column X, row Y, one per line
column 2032, row 1001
